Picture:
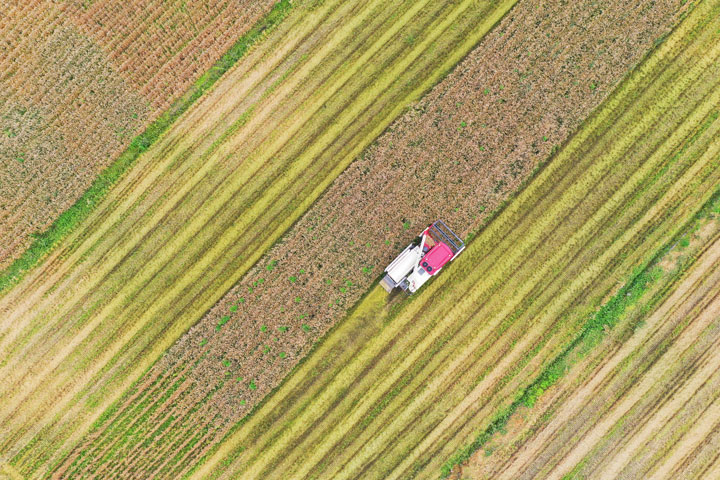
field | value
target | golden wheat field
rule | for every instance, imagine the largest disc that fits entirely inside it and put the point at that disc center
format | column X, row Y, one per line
column 201, row 202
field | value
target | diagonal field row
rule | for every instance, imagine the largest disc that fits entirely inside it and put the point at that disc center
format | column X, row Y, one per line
column 643, row 408
column 643, row 330
column 661, row 405
column 207, row 200
column 437, row 370
column 217, row 372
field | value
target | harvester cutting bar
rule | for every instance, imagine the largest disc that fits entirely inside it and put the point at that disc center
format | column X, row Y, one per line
column 442, row 233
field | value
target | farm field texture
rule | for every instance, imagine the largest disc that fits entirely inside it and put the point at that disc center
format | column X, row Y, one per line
column 399, row 392
column 217, row 372
column 204, row 202
column 653, row 411
column 80, row 79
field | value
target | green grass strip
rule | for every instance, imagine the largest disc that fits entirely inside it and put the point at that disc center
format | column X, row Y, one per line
column 69, row 220
column 590, row 336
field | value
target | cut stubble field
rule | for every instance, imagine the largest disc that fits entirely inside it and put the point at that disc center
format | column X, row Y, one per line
column 397, row 393
column 205, row 202
column 643, row 404
column 251, row 338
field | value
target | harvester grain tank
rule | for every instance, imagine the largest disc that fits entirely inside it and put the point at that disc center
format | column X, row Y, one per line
column 436, row 246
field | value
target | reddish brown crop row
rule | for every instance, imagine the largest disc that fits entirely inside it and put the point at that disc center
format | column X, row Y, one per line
column 78, row 80
column 457, row 155
column 161, row 47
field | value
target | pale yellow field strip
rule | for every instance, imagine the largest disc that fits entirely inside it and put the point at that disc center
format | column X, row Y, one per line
column 690, row 442
column 256, row 462
column 664, row 415
column 7, row 472
column 148, row 178
column 654, row 376
column 678, row 305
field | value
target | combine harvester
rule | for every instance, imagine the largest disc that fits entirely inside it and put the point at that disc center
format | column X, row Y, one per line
column 437, row 246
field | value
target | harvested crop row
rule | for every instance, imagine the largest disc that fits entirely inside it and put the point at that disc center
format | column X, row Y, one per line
column 255, row 335
column 207, row 200
column 448, row 361
column 651, row 403
column 642, row 333
column 69, row 106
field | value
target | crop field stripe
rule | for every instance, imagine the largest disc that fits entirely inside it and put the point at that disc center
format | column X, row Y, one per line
column 701, row 115
column 690, row 443
column 197, row 118
column 84, row 330
column 371, row 311
column 682, row 347
column 72, row 217
column 509, row 473
column 593, row 383
column 705, row 463
column 664, row 412
column 670, row 379
column 410, row 360
column 211, row 75
column 608, row 358
column 122, row 196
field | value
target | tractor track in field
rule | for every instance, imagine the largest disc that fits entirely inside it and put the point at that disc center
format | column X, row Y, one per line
column 259, row 461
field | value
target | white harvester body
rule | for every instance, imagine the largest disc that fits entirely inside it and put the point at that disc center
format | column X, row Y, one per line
column 421, row 260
